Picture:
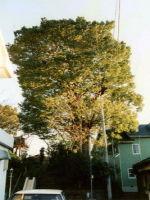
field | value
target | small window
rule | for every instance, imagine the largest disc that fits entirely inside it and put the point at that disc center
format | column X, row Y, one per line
column 131, row 173
column 136, row 149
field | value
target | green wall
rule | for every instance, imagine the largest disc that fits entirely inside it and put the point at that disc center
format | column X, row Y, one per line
column 127, row 159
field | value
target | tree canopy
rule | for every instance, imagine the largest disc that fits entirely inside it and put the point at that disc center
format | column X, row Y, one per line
column 9, row 120
column 66, row 68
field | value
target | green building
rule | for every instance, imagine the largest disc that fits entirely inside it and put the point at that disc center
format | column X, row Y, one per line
column 131, row 150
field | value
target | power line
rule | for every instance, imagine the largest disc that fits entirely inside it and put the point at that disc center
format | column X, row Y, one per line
column 119, row 14
column 115, row 17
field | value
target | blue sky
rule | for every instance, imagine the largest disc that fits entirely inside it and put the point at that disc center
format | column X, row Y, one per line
column 134, row 30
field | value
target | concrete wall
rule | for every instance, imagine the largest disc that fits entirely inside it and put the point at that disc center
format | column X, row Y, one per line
column 3, row 171
column 6, row 142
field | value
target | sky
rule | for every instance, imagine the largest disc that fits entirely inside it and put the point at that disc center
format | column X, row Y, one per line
column 134, row 30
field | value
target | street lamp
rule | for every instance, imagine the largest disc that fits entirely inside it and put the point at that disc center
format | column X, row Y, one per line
column 10, row 181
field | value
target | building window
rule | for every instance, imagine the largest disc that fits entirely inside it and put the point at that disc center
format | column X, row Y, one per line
column 136, row 149
column 131, row 173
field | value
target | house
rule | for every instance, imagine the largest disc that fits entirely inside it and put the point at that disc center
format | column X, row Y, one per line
column 6, row 144
column 142, row 171
column 134, row 148
column 6, row 141
column 4, row 60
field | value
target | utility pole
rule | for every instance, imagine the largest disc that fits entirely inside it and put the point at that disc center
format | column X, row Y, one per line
column 91, row 170
column 109, row 192
column 10, row 181
column 114, row 161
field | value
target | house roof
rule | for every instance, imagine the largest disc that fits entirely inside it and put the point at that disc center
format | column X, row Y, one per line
column 6, row 140
column 143, row 131
column 143, row 165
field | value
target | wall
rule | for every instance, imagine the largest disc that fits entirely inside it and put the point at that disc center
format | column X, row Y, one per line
column 6, row 141
column 127, row 159
column 6, row 138
column 3, row 171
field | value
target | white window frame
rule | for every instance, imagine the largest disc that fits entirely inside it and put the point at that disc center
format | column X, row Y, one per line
column 130, row 177
column 138, row 148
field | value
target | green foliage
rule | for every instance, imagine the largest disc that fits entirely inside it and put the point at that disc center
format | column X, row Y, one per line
column 18, row 167
column 62, row 168
column 67, row 168
column 66, row 69
column 9, row 120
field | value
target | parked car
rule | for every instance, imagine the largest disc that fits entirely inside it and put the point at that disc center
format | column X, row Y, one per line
column 39, row 194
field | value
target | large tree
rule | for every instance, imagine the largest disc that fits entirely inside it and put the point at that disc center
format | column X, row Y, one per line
column 9, row 120
column 68, row 70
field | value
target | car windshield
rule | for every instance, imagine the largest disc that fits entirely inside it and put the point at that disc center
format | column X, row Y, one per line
column 37, row 197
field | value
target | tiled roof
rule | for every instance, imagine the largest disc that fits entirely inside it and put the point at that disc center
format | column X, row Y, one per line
column 141, row 164
column 143, row 131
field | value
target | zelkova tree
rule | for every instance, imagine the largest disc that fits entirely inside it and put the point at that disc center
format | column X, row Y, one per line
column 66, row 68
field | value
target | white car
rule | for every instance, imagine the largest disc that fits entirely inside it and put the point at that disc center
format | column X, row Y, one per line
column 39, row 194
